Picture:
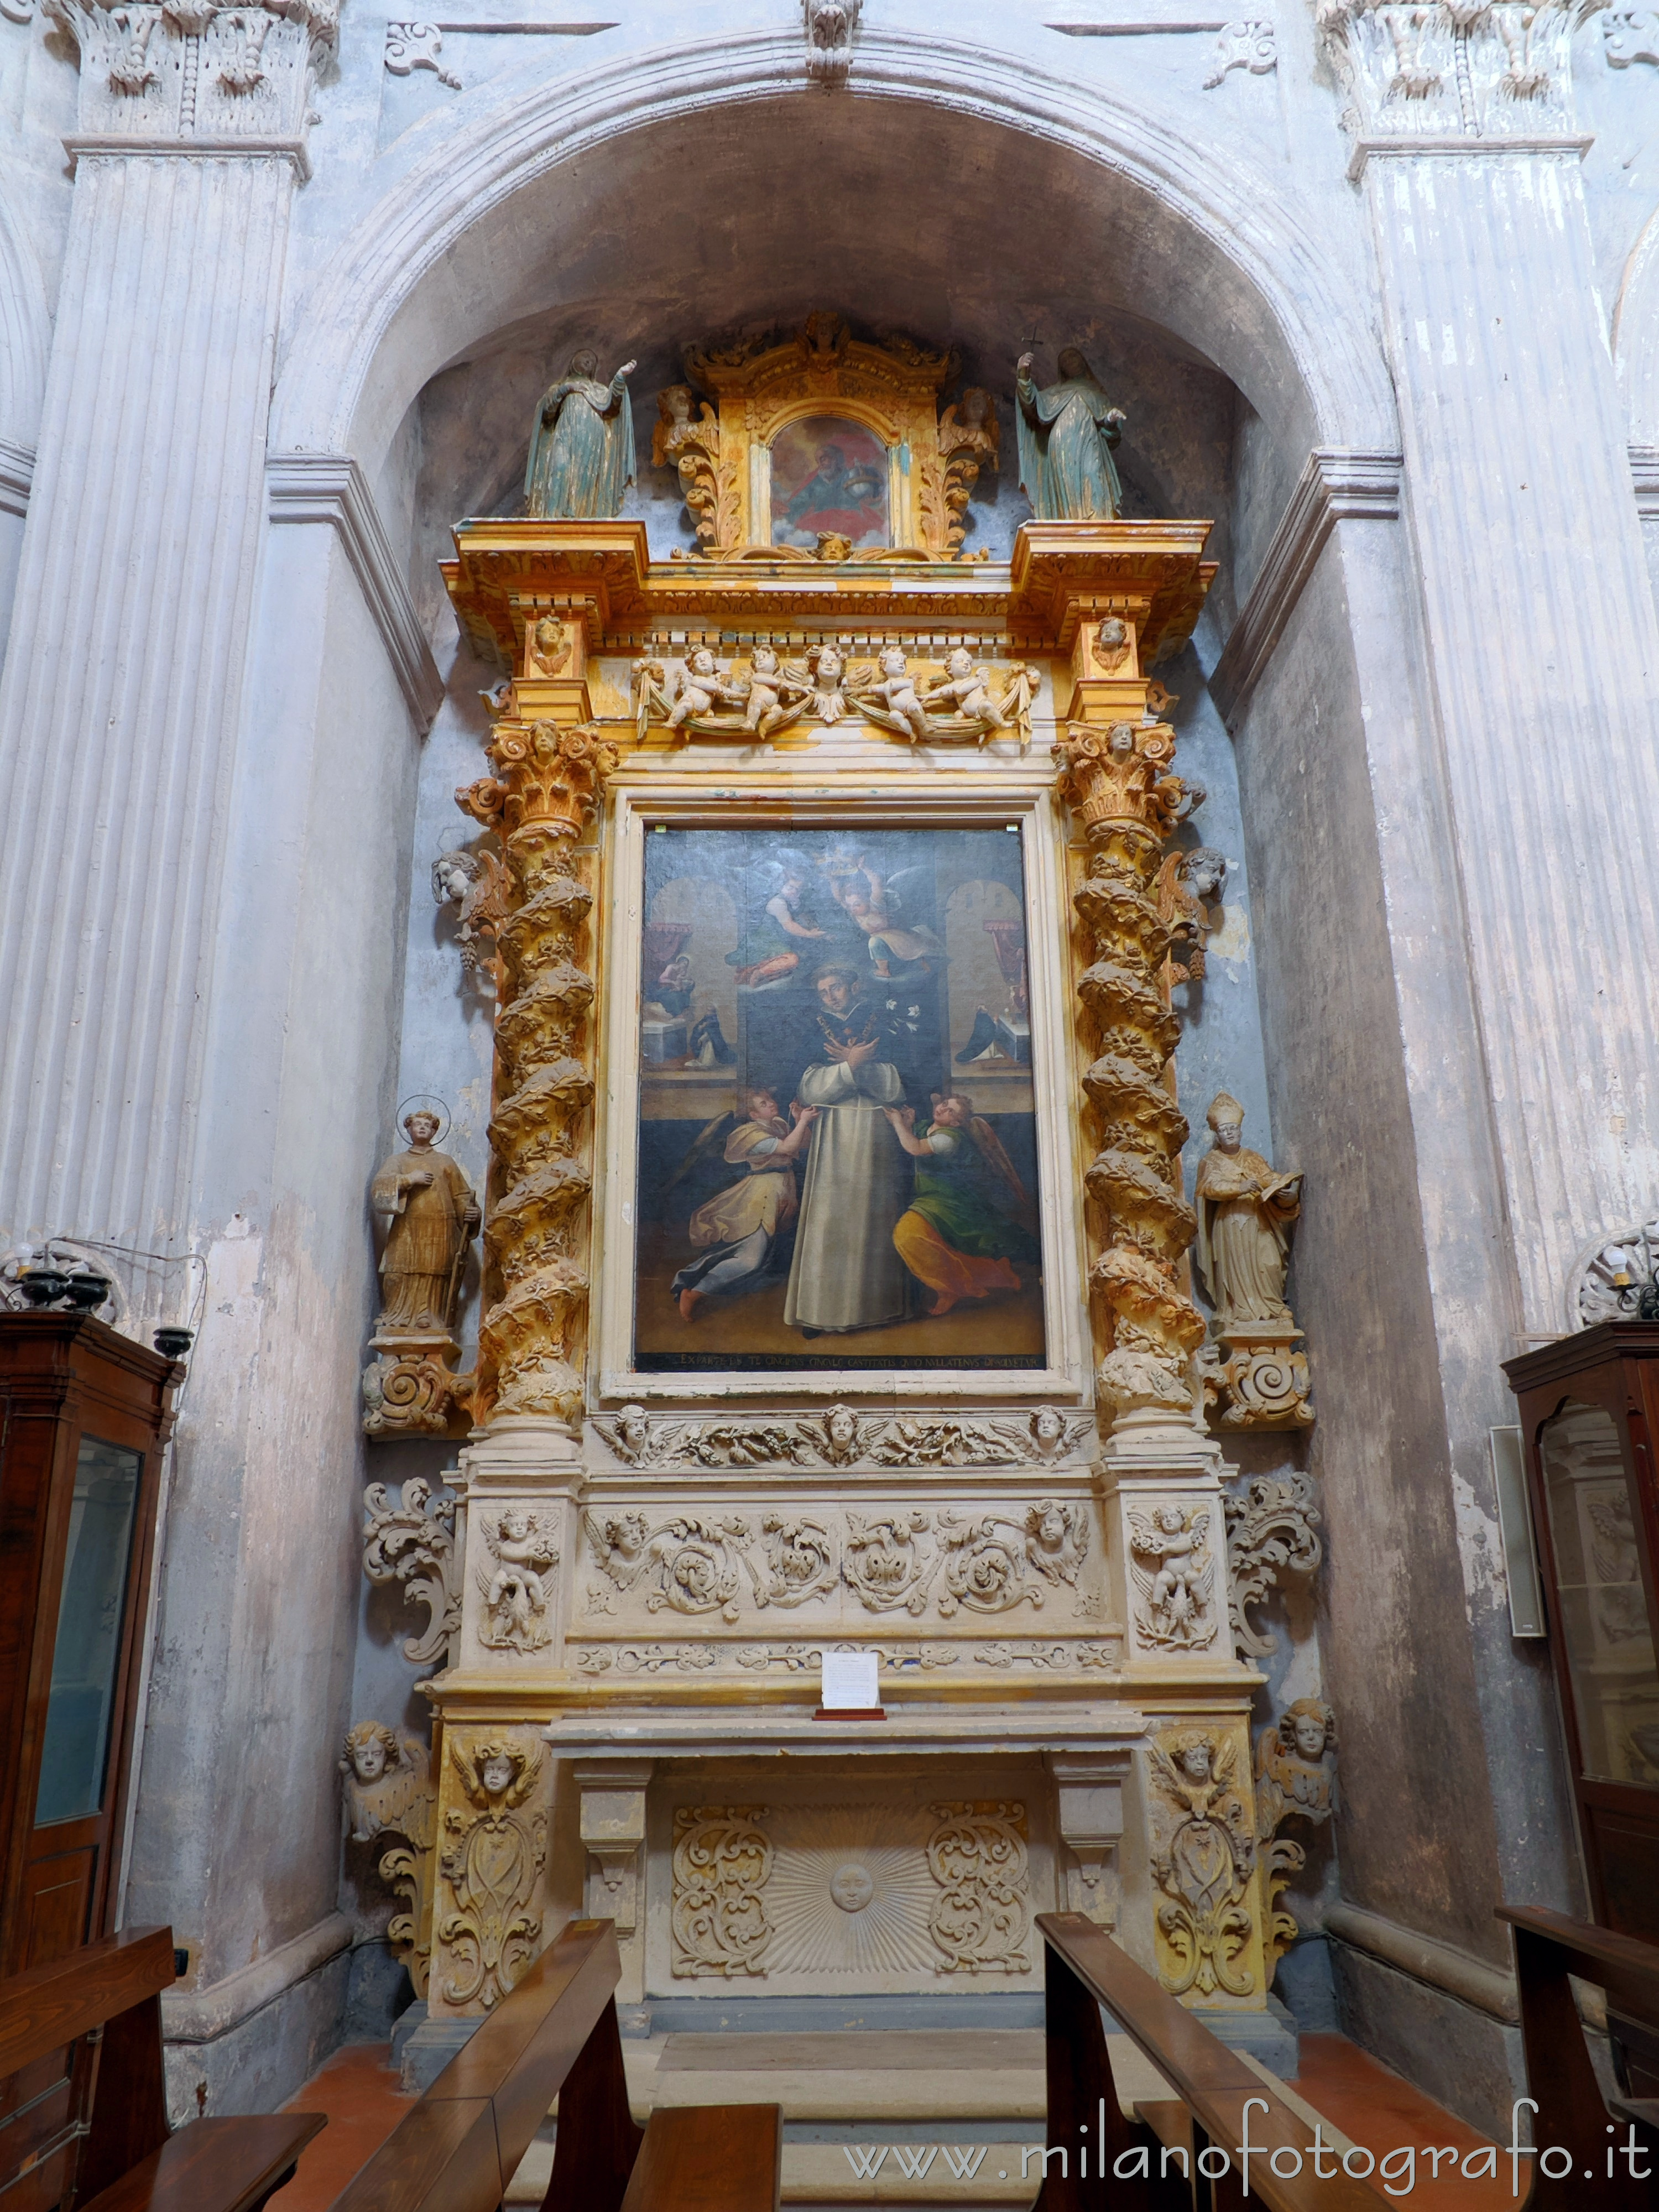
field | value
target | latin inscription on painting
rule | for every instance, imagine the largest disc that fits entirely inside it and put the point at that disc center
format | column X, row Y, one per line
column 838, row 1162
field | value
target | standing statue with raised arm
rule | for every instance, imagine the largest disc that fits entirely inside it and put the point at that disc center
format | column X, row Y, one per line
column 1067, row 432
column 581, row 449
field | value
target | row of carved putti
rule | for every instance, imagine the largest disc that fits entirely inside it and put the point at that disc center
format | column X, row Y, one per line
column 1189, row 1559
column 467, row 1851
column 954, row 701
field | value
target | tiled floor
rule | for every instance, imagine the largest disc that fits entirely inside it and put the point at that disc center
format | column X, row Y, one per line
column 358, row 2090
column 1378, row 2110
column 1372, row 2108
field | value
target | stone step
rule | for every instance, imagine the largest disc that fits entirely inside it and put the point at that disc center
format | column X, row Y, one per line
column 960, row 2089
column 864, row 2093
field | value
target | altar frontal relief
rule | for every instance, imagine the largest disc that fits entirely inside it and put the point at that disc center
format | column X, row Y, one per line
column 838, row 1162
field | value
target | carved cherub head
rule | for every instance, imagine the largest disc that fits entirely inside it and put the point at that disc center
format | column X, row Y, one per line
column 1114, row 636
column 1120, row 741
column 452, row 875
column 674, row 404
column 1308, row 1728
column 627, row 1535
column 974, row 405
column 1047, row 1523
column 370, row 1748
column 959, row 662
column 633, row 1427
column 1205, row 872
column 515, row 1525
column 702, row 662
column 763, row 661
column 841, row 1427
column 496, row 1772
column 1196, row 1759
column 1170, row 1519
column 1047, row 1427
column 826, row 662
column 893, row 661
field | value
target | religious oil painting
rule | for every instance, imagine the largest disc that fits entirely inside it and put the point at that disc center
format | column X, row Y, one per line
column 828, row 475
column 838, row 1149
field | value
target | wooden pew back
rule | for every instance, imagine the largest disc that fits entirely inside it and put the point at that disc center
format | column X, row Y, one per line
column 83, row 2096
column 1229, row 2105
column 1548, row 1948
column 555, row 2035
column 50, row 2066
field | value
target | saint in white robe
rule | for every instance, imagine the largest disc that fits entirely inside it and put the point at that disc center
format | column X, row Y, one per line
column 846, row 1273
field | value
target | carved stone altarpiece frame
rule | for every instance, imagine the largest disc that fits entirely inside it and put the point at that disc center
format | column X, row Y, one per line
column 568, row 608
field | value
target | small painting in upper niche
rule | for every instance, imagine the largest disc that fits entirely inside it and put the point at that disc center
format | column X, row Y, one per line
column 828, row 476
column 838, row 1156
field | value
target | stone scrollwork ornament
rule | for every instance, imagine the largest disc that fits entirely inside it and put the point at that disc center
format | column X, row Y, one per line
column 722, row 1862
column 1252, row 46
column 1295, row 1780
column 1271, row 1529
column 1203, row 1857
column 413, row 1542
column 841, row 1437
column 830, row 28
column 491, row 1861
column 982, row 1918
column 389, row 1793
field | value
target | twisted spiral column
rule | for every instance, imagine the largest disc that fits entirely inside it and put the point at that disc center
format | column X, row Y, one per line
column 1122, row 791
column 548, row 779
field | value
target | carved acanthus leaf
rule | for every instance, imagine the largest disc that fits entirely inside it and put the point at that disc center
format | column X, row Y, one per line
column 413, row 1541
column 1271, row 1529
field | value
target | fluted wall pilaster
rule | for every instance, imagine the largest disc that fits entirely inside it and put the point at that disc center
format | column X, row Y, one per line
column 123, row 683
column 1545, row 663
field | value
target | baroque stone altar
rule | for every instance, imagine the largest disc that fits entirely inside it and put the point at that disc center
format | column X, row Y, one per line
column 643, row 1563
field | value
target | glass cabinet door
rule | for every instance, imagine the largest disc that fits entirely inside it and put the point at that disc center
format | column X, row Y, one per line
column 91, row 1616
column 1606, row 1626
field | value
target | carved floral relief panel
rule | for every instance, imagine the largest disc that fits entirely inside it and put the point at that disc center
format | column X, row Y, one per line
column 900, row 1886
column 818, row 1565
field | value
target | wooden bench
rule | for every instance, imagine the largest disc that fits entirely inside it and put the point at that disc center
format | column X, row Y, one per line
column 556, row 2035
column 1571, row 2111
column 82, row 2098
column 1191, row 2149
